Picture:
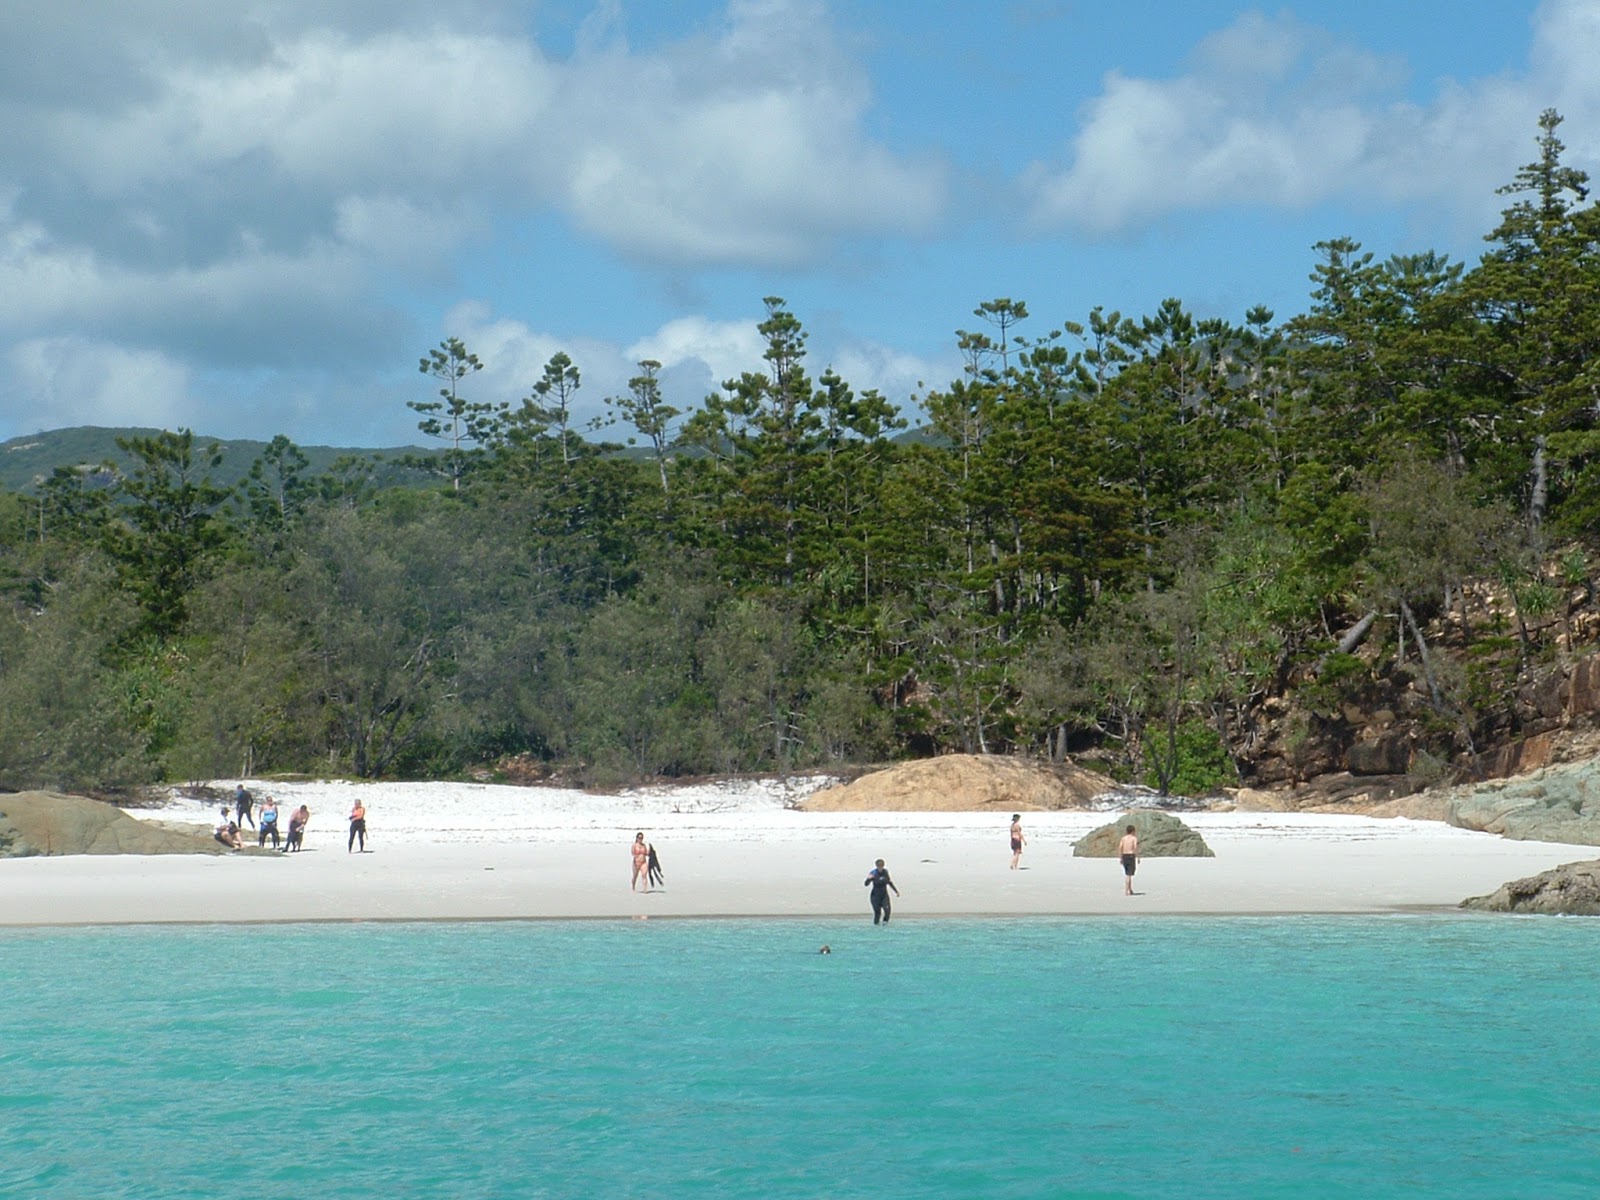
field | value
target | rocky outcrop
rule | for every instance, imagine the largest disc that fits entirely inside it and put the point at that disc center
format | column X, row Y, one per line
column 37, row 823
column 1557, row 804
column 1161, row 835
column 964, row 783
column 1516, row 758
column 1569, row 890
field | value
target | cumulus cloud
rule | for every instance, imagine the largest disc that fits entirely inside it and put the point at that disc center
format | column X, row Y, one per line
column 75, row 381
column 725, row 349
column 743, row 149
column 245, row 183
column 1275, row 113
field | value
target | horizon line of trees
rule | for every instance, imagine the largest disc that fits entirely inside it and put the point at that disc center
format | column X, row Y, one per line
column 1122, row 536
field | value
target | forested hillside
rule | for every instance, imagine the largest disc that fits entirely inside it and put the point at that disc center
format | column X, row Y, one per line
column 27, row 462
column 1147, row 540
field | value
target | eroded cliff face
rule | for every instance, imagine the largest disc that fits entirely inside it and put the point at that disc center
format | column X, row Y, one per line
column 1385, row 737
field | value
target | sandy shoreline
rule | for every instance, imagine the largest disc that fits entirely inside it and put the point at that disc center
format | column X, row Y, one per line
column 456, row 852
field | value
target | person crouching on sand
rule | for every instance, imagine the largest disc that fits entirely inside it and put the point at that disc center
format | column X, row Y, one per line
column 228, row 833
column 1128, row 851
column 641, row 864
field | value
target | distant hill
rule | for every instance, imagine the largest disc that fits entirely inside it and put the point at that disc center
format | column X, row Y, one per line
column 25, row 462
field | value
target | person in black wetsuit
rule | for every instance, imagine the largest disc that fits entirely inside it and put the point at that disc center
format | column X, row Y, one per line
column 242, row 802
column 880, row 883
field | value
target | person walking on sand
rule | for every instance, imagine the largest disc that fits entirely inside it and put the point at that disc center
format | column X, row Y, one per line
column 880, row 883
column 1128, row 851
column 654, row 874
column 242, row 801
column 269, row 823
column 358, row 827
column 1017, row 840
column 641, row 864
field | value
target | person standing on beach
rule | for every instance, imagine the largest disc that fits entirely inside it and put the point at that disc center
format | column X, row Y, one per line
column 358, row 827
column 269, row 823
column 242, row 800
column 1017, row 840
column 880, row 883
column 641, row 863
column 1128, row 851
column 654, row 874
column 297, row 828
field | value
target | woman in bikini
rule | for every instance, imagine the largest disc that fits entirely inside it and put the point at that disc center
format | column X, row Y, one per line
column 641, row 863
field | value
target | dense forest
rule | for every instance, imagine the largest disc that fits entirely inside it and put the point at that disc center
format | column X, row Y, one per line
column 1116, row 538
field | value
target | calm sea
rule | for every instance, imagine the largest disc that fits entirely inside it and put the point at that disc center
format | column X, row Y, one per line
column 1252, row 1057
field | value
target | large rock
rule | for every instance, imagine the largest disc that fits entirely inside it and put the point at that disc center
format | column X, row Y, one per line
column 964, row 783
column 35, row 823
column 1556, row 804
column 1161, row 835
column 1569, row 890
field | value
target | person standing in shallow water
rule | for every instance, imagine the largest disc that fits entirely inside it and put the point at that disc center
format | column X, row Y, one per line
column 1017, row 840
column 880, row 883
column 641, row 864
column 1128, row 851
column 358, row 827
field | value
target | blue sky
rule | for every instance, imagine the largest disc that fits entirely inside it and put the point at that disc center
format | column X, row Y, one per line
column 253, row 218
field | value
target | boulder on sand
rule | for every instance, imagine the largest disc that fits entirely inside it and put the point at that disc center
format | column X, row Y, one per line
column 37, row 823
column 1161, row 835
column 1569, row 890
column 1555, row 804
column 963, row 783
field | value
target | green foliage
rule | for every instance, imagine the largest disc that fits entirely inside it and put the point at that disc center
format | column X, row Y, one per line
column 1200, row 763
column 1122, row 536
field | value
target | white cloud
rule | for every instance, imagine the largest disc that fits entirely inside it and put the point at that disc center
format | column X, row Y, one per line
column 893, row 372
column 241, row 187
column 725, row 349
column 1278, row 114
column 64, row 381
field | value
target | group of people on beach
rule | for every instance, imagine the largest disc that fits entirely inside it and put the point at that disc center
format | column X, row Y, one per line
column 230, row 828
column 647, row 868
column 1127, row 851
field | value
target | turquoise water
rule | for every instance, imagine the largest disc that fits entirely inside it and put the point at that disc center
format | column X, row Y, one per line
column 1251, row 1057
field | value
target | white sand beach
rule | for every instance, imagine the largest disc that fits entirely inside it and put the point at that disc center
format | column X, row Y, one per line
column 463, row 851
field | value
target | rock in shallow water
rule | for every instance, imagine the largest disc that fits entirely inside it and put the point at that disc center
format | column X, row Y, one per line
column 1569, row 890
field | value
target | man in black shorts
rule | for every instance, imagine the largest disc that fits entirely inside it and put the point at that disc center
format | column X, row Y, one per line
column 1128, row 851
